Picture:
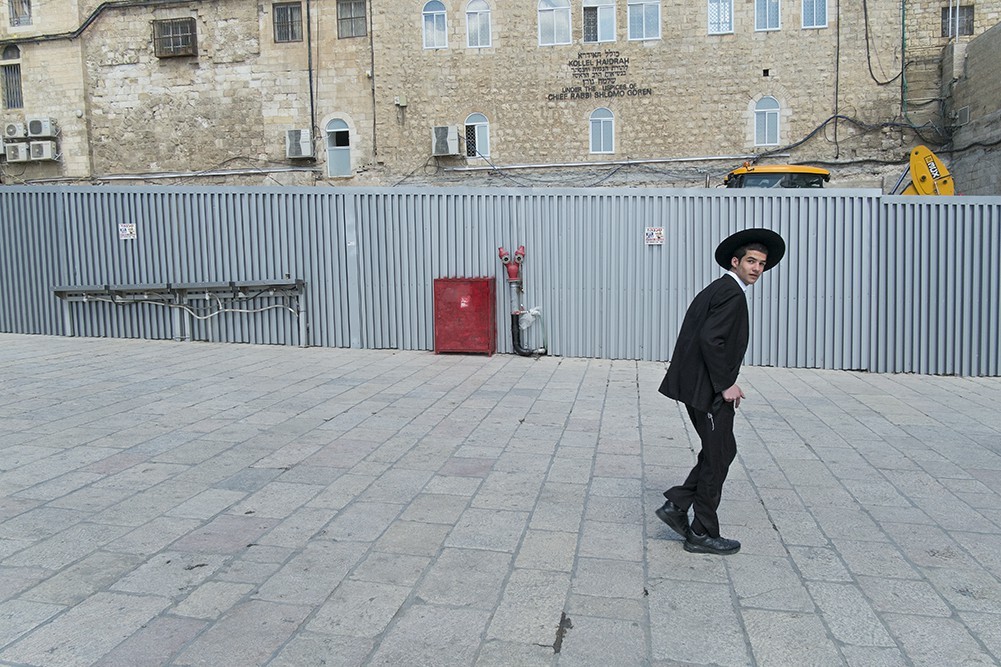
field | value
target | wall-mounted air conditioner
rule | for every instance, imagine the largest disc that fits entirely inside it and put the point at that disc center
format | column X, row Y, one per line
column 14, row 131
column 16, row 152
column 43, row 150
column 298, row 144
column 445, row 140
column 41, row 127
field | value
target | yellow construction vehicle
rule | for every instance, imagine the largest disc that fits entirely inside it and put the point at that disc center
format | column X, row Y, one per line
column 776, row 176
column 928, row 175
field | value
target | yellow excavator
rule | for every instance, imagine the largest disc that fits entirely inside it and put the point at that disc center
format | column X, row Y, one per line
column 929, row 176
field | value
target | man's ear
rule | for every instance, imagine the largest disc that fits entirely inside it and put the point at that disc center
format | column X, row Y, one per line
column 734, row 262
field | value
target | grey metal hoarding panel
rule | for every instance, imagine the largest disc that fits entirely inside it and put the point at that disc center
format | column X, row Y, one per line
column 870, row 282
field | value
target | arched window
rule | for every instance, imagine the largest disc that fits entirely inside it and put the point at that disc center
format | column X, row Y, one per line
column 766, row 122
column 10, row 78
column 602, row 131
column 338, row 148
column 477, row 24
column 477, row 136
column 554, row 22
column 599, row 21
column 435, row 30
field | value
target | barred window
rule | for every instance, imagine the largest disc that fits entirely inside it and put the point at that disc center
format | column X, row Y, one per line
column 174, row 37
column 721, row 17
column 599, row 21
column 351, row 18
column 554, row 22
column 766, row 15
column 10, row 76
column 965, row 16
column 477, row 136
column 814, row 13
column 644, row 19
column 477, row 24
column 288, row 21
column 20, row 12
column 435, row 35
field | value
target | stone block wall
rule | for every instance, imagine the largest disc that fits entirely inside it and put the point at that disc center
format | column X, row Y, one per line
column 686, row 95
column 976, row 167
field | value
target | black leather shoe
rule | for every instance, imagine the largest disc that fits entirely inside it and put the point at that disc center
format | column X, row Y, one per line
column 703, row 544
column 675, row 517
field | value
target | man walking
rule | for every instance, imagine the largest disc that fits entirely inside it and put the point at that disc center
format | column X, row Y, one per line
column 703, row 375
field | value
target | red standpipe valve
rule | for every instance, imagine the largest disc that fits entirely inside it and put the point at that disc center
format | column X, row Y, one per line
column 513, row 268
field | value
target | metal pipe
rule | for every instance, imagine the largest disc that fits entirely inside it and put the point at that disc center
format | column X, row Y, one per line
column 608, row 163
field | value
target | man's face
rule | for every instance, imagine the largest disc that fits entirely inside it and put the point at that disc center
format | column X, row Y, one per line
column 749, row 267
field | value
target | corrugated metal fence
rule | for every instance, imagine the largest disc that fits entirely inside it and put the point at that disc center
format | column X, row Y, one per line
column 871, row 282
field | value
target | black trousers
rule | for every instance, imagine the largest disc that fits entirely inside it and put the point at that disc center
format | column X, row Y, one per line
column 704, row 486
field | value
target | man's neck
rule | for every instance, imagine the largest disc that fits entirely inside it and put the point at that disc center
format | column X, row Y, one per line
column 740, row 282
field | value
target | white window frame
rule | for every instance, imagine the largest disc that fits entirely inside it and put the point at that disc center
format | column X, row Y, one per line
column 604, row 11
column 762, row 15
column 556, row 12
column 481, row 135
column 434, row 25
column 478, row 14
column 602, row 126
column 812, row 12
column 337, row 126
column 767, row 112
column 721, row 27
column 642, row 6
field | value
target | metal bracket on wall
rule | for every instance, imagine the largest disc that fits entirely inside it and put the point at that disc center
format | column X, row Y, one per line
column 182, row 299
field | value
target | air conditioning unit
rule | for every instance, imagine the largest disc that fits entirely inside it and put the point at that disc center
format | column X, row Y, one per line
column 445, row 140
column 43, row 150
column 298, row 144
column 41, row 127
column 14, row 130
column 16, row 152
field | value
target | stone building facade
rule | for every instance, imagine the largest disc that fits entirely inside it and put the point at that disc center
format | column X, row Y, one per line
column 537, row 92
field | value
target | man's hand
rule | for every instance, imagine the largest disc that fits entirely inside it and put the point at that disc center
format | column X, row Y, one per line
column 733, row 395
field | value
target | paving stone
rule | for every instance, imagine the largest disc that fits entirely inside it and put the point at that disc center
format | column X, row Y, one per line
column 497, row 653
column 212, row 599
column 848, row 615
column 466, row 578
column 429, row 635
column 531, row 607
column 683, row 614
column 359, row 609
column 86, row 632
column 154, row 644
column 763, row 582
column 18, row 617
column 785, row 638
column 904, row 596
column 547, row 550
column 496, row 530
column 936, row 641
column 307, row 649
column 310, row 576
column 248, row 635
column 82, row 579
column 621, row 541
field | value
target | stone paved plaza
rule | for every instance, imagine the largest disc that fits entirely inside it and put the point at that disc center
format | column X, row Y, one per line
column 169, row 503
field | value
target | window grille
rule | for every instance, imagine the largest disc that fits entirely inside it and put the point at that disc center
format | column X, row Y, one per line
column 965, row 16
column 10, row 76
column 288, row 22
column 814, row 13
column 554, row 22
column 477, row 136
column 20, row 12
column 477, row 24
column 435, row 32
column 644, row 19
column 721, row 17
column 766, row 15
column 351, row 18
column 174, row 37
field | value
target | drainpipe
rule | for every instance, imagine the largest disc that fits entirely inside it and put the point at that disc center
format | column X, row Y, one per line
column 513, row 267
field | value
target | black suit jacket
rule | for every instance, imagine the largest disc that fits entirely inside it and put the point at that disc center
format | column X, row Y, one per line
column 710, row 347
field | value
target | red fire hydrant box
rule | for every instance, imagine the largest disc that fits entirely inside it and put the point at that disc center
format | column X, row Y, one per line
column 465, row 317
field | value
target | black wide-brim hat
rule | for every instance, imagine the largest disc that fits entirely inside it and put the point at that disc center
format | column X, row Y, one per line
column 766, row 237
